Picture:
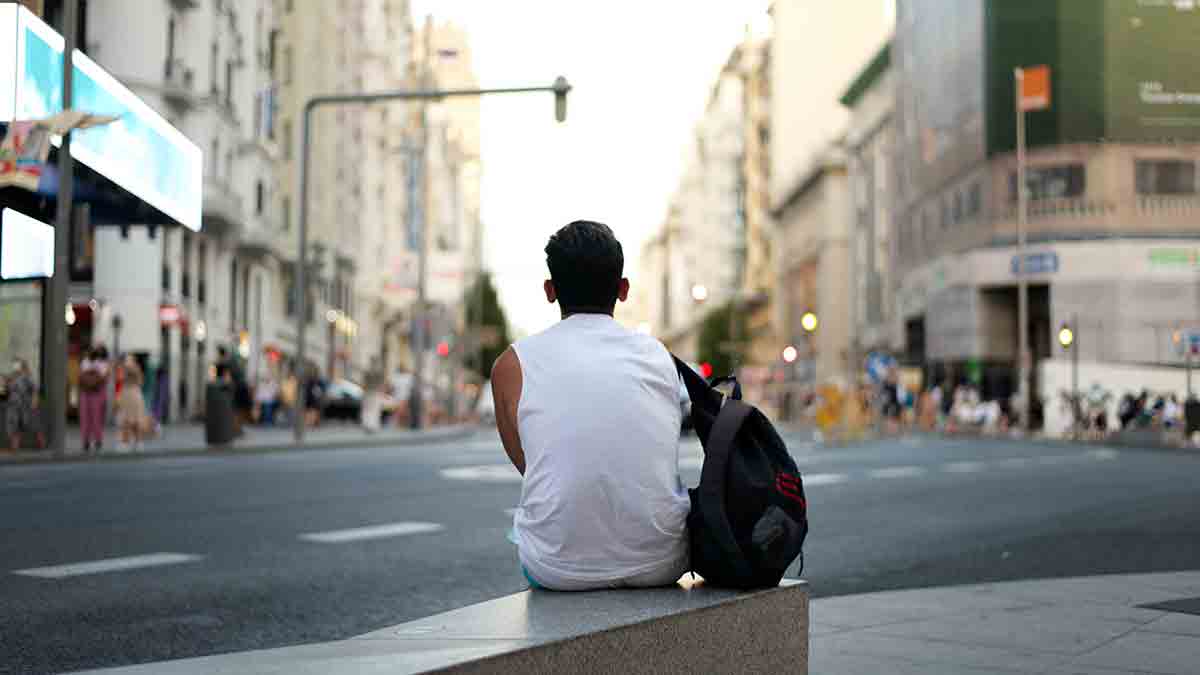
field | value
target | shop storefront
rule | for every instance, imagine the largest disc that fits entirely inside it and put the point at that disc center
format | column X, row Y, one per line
column 132, row 168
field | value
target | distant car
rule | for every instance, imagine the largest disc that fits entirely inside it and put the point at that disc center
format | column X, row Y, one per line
column 343, row 401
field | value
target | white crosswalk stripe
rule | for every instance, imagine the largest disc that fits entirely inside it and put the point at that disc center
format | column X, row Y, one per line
column 814, row 479
column 898, row 472
column 964, row 467
column 372, row 532
column 108, row 565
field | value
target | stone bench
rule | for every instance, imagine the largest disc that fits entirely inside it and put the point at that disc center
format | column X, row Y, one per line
column 684, row 629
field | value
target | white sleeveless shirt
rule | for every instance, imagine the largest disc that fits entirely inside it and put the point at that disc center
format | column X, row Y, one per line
column 601, row 500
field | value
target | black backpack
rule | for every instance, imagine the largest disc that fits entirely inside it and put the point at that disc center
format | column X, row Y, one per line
column 749, row 516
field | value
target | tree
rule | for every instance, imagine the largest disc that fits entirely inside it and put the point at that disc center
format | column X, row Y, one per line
column 717, row 345
column 489, row 337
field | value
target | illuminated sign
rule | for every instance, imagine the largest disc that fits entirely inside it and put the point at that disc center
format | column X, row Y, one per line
column 26, row 247
column 140, row 151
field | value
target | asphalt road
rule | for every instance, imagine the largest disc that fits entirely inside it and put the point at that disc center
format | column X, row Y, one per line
column 267, row 550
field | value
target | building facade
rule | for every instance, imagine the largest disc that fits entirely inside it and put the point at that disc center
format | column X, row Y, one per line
column 869, row 145
column 817, row 48
column 1112, row 165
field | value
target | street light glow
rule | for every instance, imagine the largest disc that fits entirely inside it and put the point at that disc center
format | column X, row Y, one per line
column 809, row 322
column 699, row 292
column 1066, row 337
column 790, row 354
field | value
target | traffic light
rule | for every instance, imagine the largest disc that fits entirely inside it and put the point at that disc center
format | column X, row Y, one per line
column 443, row 348
column 706, row 369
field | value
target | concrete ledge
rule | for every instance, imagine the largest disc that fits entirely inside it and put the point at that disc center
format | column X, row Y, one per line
column 684, row 629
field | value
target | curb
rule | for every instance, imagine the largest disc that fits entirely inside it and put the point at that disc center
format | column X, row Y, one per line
column 424, row 438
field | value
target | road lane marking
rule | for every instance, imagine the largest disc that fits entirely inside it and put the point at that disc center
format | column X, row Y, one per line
column 108, row 565
column 1014, row 463
column 813, row 479
column 1104, row 453
column 897, row 472
column 484, row 473
column 964, row 467
column 372, row 532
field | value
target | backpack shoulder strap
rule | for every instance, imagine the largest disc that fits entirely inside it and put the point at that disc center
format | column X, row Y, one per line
column 714, row 475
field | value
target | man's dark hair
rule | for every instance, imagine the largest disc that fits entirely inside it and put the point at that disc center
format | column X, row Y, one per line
column 586, row 264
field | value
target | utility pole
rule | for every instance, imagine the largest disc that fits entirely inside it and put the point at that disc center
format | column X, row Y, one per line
column 53, row 321
column 560, row 88
column 420, row 337
column 1023, row 356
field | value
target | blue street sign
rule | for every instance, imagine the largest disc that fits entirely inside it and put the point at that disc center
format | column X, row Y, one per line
column 1035, row 263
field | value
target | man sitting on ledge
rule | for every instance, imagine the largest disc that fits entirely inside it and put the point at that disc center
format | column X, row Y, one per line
column 588, row 412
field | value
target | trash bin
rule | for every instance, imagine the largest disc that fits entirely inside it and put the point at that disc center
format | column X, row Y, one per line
column 1191, row 416
column 218, row 414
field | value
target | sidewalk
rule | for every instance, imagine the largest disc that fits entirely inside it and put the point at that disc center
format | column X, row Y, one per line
column 1088, row 625
column 1093, row 625
column 179, row 439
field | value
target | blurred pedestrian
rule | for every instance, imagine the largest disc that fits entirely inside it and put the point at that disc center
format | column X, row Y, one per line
column 132, row 418
column 372, row 405
column 314, row 396
column 162, row 394
column 22, row 401
column 266, row 396
column 289, row 396
column 229, row 369
column 93, row 398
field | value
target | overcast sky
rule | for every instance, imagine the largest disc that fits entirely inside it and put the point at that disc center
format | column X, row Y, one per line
column 642, row 71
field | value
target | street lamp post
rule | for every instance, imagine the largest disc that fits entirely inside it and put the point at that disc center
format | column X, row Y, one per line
column 1067, row 336
column 55, row 329
column 560, row 88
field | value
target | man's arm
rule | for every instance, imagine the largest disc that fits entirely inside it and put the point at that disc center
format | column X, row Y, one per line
column 506, row 394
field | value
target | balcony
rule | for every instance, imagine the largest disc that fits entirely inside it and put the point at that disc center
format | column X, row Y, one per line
column 1066, row 209
column 1168, row 205
column 260, row 238
column 222, row 213
column 178, row 86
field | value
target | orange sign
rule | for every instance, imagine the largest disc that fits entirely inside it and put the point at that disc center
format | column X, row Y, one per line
column 1035, row 88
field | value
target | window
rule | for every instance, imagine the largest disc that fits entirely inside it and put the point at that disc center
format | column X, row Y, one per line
column 170, row 47
column 286, row 214
column 1166, row 177
column 290, row 297
column 272, row 50
column 974, row 200
column 213, row 61
column 1050, row 182
column 260, row 191
column 233, row 294
column 201, row 272
column 214, row 158
column 287, row 65
column 229, row 83
column 287, row 139
column 185, row 281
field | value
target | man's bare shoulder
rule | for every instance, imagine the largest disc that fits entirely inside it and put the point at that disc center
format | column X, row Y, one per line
column 507, row 369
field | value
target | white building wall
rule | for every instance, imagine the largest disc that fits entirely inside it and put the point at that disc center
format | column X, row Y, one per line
column 816, row 49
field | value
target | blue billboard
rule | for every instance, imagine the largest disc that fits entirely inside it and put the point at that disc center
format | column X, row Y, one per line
column 140, row 152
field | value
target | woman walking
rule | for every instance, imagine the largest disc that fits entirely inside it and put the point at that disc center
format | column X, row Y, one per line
column 131, row 405
column 93, row 398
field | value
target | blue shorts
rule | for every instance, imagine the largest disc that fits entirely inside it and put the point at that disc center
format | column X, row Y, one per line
column 511, row 536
